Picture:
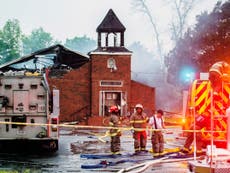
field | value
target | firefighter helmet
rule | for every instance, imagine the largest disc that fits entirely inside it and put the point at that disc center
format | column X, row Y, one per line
column 113, row 109
column 139, row 106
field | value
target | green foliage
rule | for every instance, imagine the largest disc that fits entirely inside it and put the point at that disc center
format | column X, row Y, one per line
column 38, row 39
column 202, row 46
column 82, row 44
column 10, row 40
column 14, row 44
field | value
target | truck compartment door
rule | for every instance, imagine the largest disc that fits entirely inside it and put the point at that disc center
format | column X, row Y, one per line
column 21, row 101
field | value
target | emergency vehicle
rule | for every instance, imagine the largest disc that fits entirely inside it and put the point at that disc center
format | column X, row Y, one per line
column 203, row 101
column 29, row 111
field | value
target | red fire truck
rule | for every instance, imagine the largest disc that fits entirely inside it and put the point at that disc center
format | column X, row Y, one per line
column 201, row 99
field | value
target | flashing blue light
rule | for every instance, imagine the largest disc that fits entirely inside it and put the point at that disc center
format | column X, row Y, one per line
column 187, row 74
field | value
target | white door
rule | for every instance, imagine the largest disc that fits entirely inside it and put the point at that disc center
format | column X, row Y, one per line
column 110, row 98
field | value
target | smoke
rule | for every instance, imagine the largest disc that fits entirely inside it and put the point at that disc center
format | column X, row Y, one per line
column 147, row 70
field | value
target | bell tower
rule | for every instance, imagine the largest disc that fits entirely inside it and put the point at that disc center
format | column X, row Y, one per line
column 110, row 68
column 110, row 31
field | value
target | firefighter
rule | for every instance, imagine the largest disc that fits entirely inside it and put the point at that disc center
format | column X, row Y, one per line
column 220, row 71
column 202, row 122
column 139, row 121
column 115, row 132
column 156, row 122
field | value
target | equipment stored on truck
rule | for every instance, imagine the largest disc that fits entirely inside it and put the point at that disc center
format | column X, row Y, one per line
column 29, row 111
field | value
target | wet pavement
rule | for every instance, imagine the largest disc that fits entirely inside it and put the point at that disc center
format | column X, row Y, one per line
column 74, row 142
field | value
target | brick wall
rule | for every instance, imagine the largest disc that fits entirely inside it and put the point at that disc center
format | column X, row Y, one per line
column 74, row 93
column 144, row 95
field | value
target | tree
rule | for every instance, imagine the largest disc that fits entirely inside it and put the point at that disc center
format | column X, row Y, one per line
column 81, row 44
column 204, row 45
column 10, row 41
column 182, row 9
column 141, row 6
column 38, row 39
column 213, row 37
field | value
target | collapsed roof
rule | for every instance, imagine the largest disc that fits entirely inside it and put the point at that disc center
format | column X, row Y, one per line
column 56, row 56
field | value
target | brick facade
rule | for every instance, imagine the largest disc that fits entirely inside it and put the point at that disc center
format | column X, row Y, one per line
column 74, row 89
column 100, row 72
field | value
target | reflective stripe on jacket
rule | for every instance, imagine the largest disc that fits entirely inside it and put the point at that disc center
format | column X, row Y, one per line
column 139, row 121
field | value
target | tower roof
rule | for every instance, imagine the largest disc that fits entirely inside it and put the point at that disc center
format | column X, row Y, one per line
column 111, row 23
